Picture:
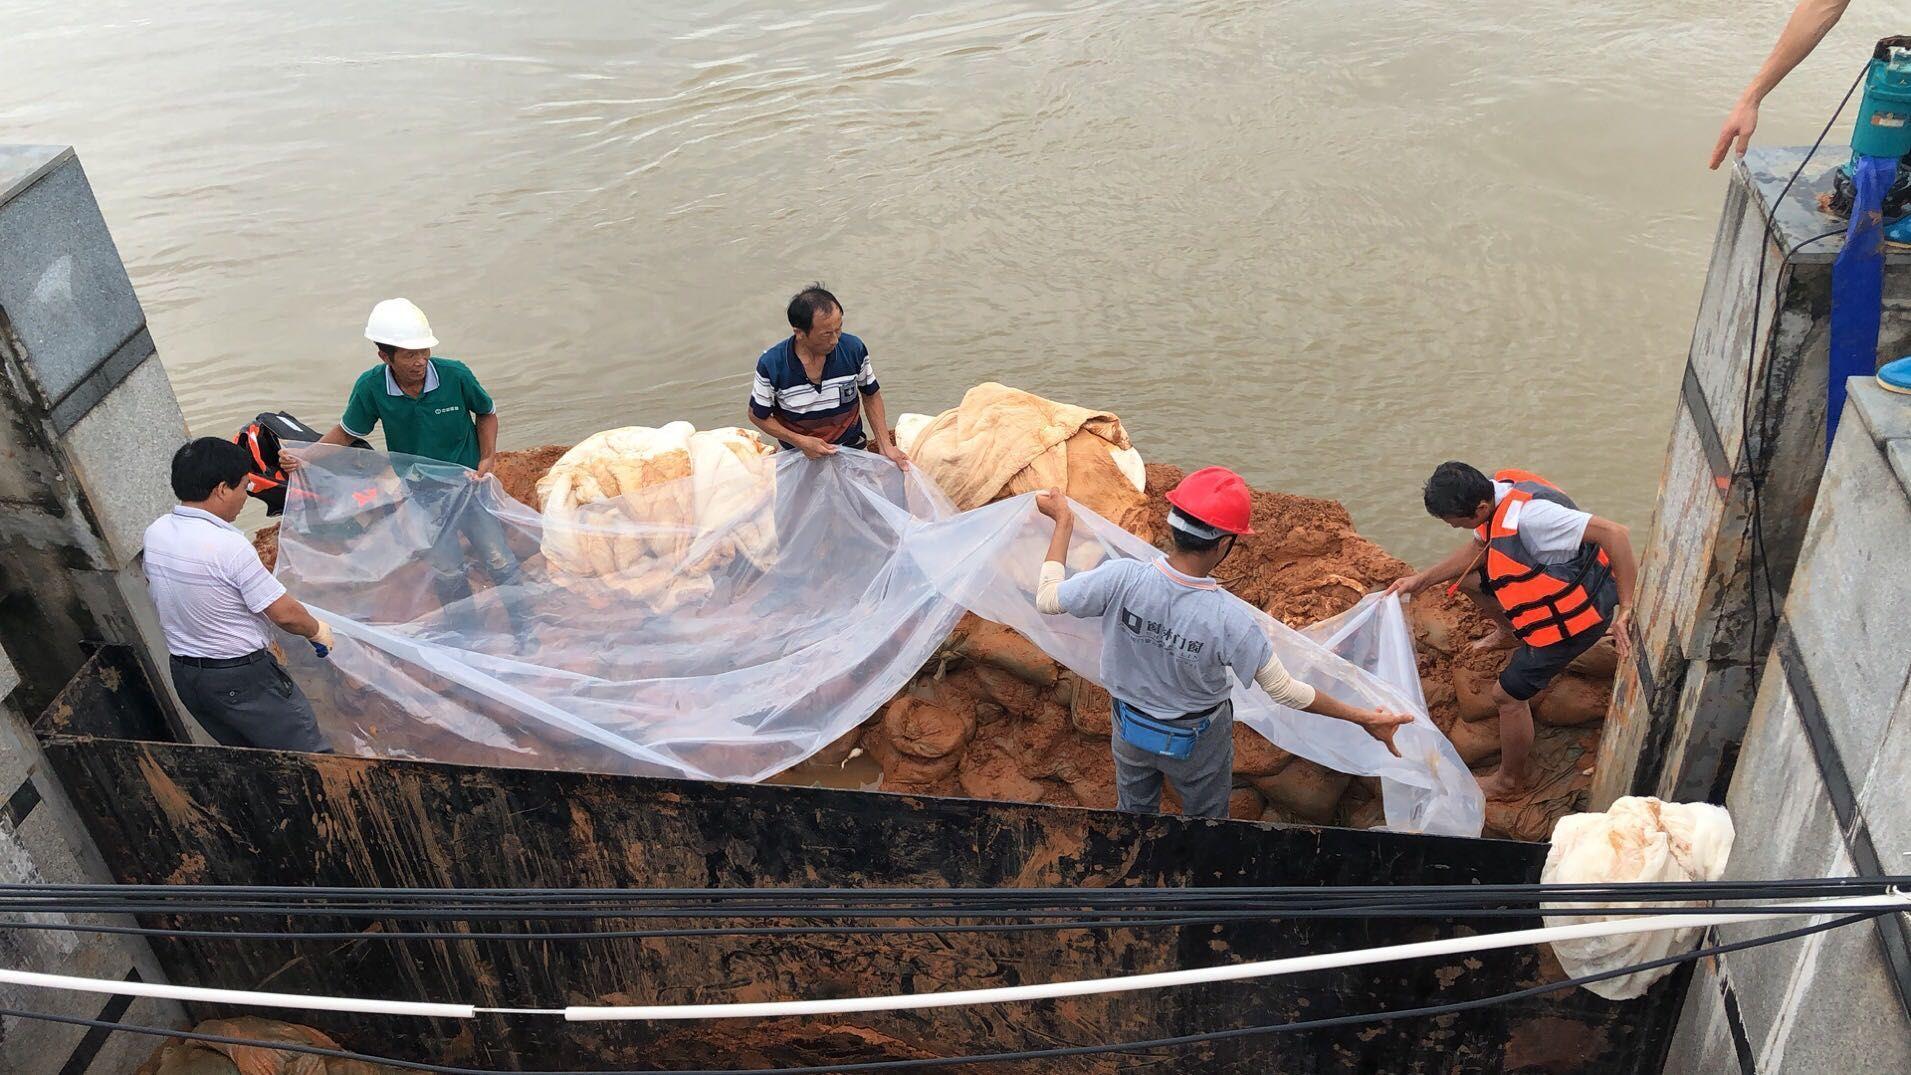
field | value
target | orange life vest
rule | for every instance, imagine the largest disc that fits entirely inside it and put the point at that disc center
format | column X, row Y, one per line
column 1546, row 603
column 265, row 476
column 262, row 438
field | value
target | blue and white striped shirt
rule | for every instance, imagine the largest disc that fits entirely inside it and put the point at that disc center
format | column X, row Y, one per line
column 830, row 408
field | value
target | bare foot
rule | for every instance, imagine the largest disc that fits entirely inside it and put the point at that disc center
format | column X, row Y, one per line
column 1500, row 786
column 1498, row 638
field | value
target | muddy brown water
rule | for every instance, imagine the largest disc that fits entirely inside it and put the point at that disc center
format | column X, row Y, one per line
column 1328, row 243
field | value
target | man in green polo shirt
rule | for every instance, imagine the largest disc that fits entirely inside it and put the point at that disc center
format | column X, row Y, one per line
column 434, row 408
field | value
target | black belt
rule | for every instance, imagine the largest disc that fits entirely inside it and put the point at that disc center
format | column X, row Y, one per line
column 221, row 662
column 1190, row 718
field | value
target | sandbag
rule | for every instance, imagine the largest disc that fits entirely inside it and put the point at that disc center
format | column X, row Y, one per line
column 1639, row 839
column 647, row 512
column 183, row 1057
column 1000, row 442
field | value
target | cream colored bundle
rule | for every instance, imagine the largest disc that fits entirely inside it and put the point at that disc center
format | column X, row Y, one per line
column 1637, row 839
column 1002, row 441
column 652, row 513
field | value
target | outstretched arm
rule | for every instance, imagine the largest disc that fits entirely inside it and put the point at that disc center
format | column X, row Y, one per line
column 1052, row 503
column 1616, row 540
column 292, row 617
column 1452, row 567
column 487, row 425
column 1811, row 20
column 1288, row 691
column 879, row 429
column 289, row 459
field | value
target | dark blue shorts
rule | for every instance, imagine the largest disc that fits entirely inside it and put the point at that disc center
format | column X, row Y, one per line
column 1530, row 669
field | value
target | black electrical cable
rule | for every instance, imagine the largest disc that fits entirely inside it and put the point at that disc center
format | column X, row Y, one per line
column 706, row 899
column 1428, row 1011
column 1537, row 889
column 1059, row 919
column 1194, row 901
column 1234, row 918
column 1151, row 907
column 1760, row 565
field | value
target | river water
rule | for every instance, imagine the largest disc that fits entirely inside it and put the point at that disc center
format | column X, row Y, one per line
column 1327, row 242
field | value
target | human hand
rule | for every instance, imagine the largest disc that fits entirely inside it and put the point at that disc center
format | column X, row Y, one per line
column 1407, row 585
column 1621, row 631
column 289, row 460
column 894, row 453
column 1382, row 724
column 485, row 466
column 815, row 447
column 322, row 640
column 1052, row 503
column 1738, row 129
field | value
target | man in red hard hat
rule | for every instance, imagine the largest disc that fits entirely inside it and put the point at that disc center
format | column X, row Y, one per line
column 1174, row 644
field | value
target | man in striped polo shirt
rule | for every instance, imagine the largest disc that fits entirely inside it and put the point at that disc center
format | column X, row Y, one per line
column 811, row 389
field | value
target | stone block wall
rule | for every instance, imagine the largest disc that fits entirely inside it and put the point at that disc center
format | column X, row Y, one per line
column 1819, row 789
column 1752, row 401
column 88, row 425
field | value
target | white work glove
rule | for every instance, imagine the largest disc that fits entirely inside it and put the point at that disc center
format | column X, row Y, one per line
column 322, row 641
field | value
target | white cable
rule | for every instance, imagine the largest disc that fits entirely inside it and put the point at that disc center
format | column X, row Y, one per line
column 238, row 996
column 1233, row 972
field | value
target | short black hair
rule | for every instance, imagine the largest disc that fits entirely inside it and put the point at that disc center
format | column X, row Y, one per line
column 202, row 465
column 1186, row 542
column 806, row 304
column 385, row 350
column 1456, row 491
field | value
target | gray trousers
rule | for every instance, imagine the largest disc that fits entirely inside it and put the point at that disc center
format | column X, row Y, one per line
column 1204, row 779
column 250, row 705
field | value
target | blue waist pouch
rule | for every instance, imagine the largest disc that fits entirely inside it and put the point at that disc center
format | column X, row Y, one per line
column 1169, row 740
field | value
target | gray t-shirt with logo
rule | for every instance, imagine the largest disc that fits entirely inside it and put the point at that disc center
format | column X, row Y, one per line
column 1172, row 644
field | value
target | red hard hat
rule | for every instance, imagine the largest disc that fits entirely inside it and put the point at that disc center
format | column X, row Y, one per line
column 1216, row 496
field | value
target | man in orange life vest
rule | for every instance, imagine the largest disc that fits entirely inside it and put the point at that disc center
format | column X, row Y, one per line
column 1553, row 579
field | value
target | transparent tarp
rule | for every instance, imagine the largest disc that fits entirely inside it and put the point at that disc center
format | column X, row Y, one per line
column 728, row 625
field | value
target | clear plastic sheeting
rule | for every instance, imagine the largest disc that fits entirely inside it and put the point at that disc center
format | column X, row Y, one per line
column 816, row 589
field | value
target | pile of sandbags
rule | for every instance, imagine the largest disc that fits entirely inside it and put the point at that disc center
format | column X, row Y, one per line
column 650, row 514
column 1568, row 715
column 1001, row 441
column 996, row 718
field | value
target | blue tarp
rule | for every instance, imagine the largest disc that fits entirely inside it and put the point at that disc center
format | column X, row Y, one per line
column 1857, row 284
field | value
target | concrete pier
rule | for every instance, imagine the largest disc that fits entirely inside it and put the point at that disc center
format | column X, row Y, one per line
column 1820, row 785
column 1741, row 474
column 88, row 425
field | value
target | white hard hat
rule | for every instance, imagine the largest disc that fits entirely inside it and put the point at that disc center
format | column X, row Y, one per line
column 400, row 323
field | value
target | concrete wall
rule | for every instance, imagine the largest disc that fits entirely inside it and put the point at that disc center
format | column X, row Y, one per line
column 1752, row 403
column 88, row 424
column 43, row 842
column 1821, row 781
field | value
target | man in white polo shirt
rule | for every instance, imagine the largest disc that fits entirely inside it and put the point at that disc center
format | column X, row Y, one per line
column 215, row 598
